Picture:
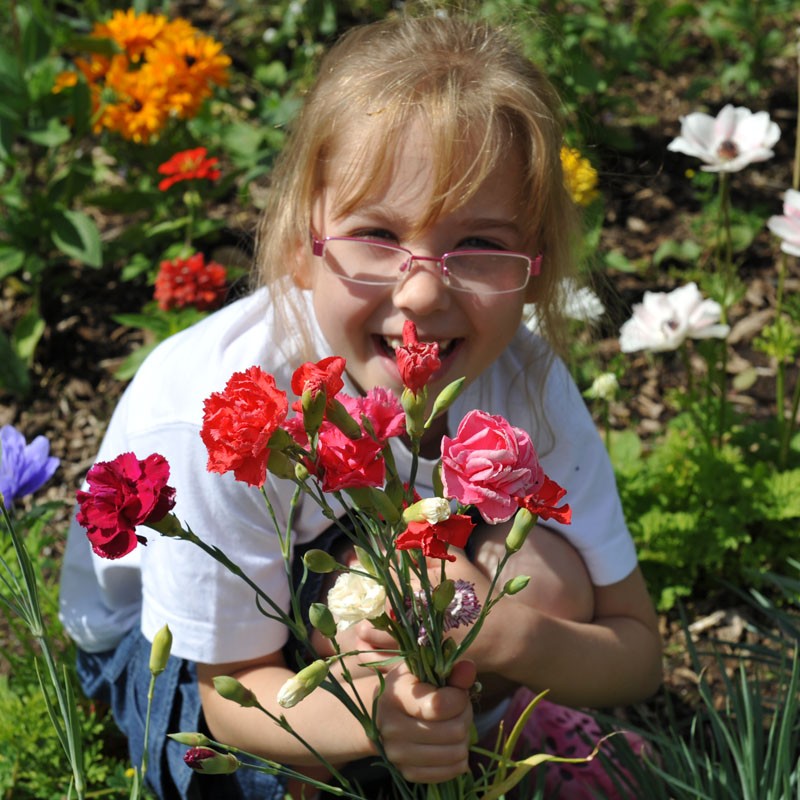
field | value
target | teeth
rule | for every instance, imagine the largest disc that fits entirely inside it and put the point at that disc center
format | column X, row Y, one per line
column 394, row 342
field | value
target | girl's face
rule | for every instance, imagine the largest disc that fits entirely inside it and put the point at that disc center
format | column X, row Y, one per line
column 364, row 323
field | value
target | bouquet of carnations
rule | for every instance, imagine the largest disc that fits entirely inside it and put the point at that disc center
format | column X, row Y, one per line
column 335, row 446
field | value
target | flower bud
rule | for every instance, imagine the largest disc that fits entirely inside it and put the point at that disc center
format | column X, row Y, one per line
column 301, row 472
column 169, row 525
column 414, row 406
column 340, row 417
column 523, row 524
column 231, row 689
column 445, row 399
column 280, row 465
column 443, row 595
column 366, row 561
column 319, row 615
column 210, row 762
column 190, row 738
column 159, row 652
column 370, row 498
column 301, row 685
column 313, row 402
column 430, row 509
column 319, row 561
column 516, row 584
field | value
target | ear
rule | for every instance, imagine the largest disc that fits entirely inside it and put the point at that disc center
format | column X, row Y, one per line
column 302, row 266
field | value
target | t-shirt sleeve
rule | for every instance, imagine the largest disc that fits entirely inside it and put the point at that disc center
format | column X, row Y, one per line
column 579, row 462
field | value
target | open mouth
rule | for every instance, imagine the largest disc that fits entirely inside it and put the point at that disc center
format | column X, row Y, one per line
column 388, row 344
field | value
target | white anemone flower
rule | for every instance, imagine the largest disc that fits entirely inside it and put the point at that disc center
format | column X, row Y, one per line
column 664, row 320
column 577, row 302
column 787, row 227
column 728, row 142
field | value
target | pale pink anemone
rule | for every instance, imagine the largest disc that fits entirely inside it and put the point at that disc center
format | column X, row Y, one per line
column 664, row 320
column 787, row 227
column 728, row 142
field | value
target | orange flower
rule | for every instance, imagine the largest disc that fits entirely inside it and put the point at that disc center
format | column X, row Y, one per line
column 188, row 165
column 133, row 32
column 138, row 112
column 64, row 80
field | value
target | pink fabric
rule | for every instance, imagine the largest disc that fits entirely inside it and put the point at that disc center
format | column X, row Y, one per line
column 566, row 732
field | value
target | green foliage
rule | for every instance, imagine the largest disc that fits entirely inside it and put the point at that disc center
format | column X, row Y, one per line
column 697, row 511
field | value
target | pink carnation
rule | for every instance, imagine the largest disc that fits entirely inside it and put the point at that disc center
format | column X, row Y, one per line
column 489, row 464
column 381, row 408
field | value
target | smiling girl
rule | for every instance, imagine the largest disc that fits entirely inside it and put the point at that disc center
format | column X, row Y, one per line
column 421, row 183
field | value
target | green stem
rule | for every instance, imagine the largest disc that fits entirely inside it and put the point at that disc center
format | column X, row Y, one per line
column 145, row 741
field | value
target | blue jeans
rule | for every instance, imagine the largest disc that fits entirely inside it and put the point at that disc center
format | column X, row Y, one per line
column 121, row 678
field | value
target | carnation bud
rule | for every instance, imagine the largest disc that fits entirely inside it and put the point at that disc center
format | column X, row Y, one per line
column 340, row 417
column 414, row 406
column 319, row 615
column 301, row 685
column 370, row 498
column 192, row 739
column 443, row 595
column 313, row 402
column 366, row 561
column 280, row 465
column 232, row 690
column 159, row 652
column 280, row 440
column 516, row 584
column 430, row 509
column 210, row 762
column 445, row 399
column 523, row 524
column 301, row 472
column 319, row 561
column 168, row 526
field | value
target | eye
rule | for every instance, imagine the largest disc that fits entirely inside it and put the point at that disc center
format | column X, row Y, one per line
column 479, row 243
column 378, row 234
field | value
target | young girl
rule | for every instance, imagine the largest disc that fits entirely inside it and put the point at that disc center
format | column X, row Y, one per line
column 422, row 182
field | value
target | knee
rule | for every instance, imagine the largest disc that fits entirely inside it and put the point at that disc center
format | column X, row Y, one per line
column 559, row 585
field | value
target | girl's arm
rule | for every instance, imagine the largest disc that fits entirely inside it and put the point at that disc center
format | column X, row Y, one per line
column 425, row 731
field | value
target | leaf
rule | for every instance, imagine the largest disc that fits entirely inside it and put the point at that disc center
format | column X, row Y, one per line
column 76, row 235
column 11, row 259
column 625, row 449
column 13, row 372
column 53, row 135
column 687, row 250
column 132, row 363
column 27, row 333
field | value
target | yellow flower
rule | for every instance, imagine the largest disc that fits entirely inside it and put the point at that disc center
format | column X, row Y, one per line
column 580, row 176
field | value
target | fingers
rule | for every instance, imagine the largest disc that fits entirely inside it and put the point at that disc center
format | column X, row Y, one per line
column 426, row 730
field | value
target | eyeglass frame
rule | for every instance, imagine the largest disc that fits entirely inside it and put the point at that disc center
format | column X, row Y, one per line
column 318, row 249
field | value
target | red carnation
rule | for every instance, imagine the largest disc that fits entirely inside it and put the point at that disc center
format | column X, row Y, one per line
column 190, row 281
column 543, row 502
column 417, row 361
column 238, row 423
column 434, row 539
column 324, row 375
column 188, row 165
column 124, row 493
column 345, row 463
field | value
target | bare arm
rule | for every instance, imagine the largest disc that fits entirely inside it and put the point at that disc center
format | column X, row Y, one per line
column 425, row 731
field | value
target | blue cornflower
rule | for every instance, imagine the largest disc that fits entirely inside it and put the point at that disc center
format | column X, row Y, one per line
column 24, row 468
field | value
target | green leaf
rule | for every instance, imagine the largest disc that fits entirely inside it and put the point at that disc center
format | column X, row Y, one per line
column 687, row 250
column 55, row 134
column 76, row 235
column 27, row 333
column 36, row 40
column 13, row 372
column 11, row 259
column 132, row 363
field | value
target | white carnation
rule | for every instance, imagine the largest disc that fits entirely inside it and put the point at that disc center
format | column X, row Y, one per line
column 355, row 597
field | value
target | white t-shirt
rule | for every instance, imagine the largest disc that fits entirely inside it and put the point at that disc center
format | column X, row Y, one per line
column 212, row 613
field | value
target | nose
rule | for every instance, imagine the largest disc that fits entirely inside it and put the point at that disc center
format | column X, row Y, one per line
column 422, row 289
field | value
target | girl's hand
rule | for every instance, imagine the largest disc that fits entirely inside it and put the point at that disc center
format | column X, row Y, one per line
column 425, row 730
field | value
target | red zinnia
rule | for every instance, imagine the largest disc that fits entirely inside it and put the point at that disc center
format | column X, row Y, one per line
column 124, row 493
column 184, row 282
column 188, row 165
column 417, row 361
column 434, row 540
column 543, row 502
column 238, row 423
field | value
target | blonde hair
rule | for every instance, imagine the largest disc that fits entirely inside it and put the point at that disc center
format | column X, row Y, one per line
column 477, row 96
